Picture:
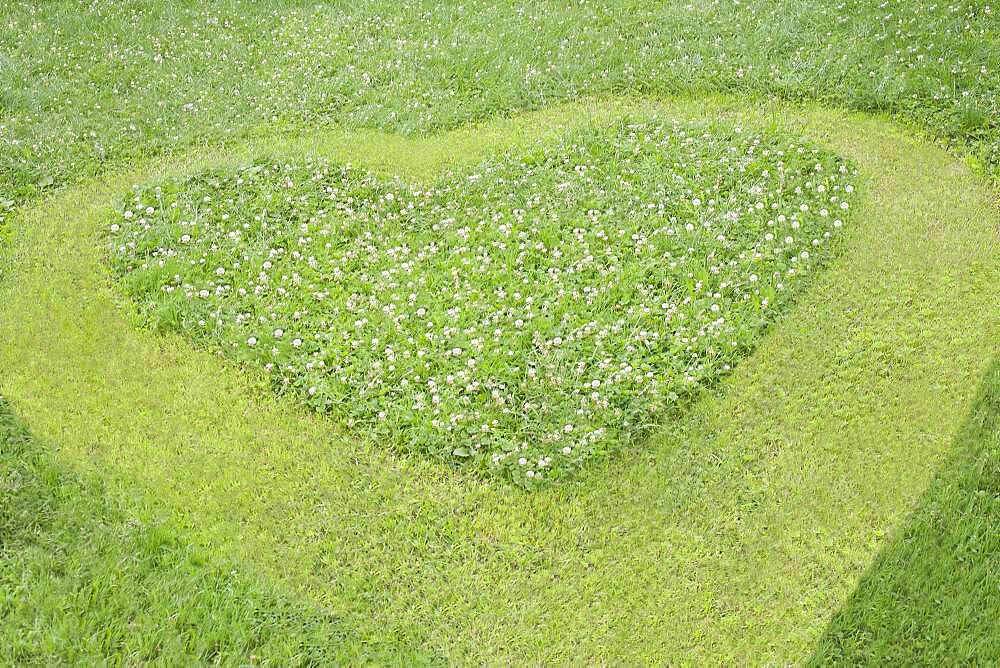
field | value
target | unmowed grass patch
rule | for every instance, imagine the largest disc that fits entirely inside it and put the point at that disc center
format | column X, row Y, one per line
column 546, row 307
column 91, row 83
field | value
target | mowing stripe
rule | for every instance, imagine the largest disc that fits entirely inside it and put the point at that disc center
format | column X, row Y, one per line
column 738, row 533
column 932, row 595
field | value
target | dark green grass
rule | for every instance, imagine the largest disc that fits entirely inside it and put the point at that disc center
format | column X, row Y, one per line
column 84, row 580
column 932, row 597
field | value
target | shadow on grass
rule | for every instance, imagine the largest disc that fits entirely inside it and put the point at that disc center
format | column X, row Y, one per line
column 85, row 580
column 932, row 596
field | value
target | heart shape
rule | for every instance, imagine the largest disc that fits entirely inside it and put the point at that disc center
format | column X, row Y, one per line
column 540, row 311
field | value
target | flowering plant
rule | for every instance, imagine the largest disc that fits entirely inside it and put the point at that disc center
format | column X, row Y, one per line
column 544, row 309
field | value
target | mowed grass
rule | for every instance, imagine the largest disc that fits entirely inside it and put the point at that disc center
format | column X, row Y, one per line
column 543, row 309
column 717, row 545
column 86, row 580
column 932, row 597
column 736, row 533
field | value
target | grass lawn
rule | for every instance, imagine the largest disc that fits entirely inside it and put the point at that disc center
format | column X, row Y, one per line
column 932, row 594
column 87, row 578
column 736, row 532
column 88, row 84
column 272, row 389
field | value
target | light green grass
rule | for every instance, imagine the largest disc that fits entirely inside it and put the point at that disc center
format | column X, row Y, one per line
column 545, row 308
column 85, row 580
column 932, row 597
column 736, row 534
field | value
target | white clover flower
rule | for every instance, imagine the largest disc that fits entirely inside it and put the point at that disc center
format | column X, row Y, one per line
column 365, row 302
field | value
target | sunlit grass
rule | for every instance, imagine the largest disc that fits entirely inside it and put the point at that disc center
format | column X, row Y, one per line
column 85, row 580
column 744, row 523
column 545, row 308
column 933, row 595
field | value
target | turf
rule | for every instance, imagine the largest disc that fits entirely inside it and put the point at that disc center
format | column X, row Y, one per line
column 737, row 533
column 84, row 581
column 543, row 309
column 85, row 84
column 932, row 597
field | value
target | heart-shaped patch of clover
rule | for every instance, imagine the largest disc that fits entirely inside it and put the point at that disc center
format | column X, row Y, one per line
column 547, row 307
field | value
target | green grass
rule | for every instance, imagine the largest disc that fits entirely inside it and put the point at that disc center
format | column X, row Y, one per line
column 83, row 580
column 738, row 532
column 86, row 84
column 732, row 535
column 932, row 596
column 544, row 308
